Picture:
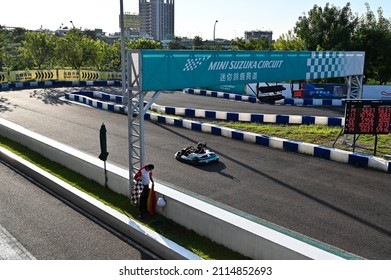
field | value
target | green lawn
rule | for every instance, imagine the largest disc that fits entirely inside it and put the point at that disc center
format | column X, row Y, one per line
column 317, row 134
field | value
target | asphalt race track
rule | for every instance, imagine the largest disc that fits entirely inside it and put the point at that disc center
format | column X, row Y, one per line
column 341, row 205
column 51, row 230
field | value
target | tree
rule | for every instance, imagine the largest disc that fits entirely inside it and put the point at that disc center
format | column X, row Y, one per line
column 76, row 50
column 374, row 37
column 175, row 44
column 112, row 56
column 18, row 35
column 289, row 42
column 262, row 43
column 68, row 50
column 38, row 49
column 143, row 44
column 10, row 41
column 330, row 28
column 90, row 51
column 3, row 36
column 197, row 42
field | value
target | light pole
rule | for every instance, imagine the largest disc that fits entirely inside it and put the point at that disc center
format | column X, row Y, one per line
column 214, row 32
column 72, row 24
column 123, row 65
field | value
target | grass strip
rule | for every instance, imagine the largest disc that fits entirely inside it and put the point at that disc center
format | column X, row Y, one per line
column 317, row 134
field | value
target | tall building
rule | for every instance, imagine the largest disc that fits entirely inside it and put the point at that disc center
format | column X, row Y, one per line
column 157, row 18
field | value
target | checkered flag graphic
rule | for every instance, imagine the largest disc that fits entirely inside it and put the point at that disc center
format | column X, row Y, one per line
column 193, row 63
column 135, row 192
column 326, row 65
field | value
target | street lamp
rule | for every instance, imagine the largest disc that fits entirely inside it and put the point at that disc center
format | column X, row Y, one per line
column 123, row 64
column 214, row 31
column 72, row 24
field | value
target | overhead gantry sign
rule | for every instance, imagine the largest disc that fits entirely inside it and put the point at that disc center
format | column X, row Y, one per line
column 169, row 70
column 157, row 70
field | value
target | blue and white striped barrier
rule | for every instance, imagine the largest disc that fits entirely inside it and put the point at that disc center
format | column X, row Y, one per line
column 352, row 158
column 215, row 115
column 253, row 99
column 88, row 98
column 248, row 117
column 219, row 94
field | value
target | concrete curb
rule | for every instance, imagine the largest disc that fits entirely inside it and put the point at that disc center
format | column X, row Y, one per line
column 352, row 158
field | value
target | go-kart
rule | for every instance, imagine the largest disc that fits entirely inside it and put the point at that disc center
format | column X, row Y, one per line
column 198, row 155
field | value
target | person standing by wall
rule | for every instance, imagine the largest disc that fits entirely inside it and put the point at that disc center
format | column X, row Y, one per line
column 146, row 178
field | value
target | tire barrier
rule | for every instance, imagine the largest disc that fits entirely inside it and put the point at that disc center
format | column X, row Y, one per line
column 333, row 154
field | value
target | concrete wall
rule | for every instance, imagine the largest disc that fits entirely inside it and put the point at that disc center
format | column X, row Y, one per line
column 252, row 238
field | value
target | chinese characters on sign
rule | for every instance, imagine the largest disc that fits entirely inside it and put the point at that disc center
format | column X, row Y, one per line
column 245, row 77
column 367, row 117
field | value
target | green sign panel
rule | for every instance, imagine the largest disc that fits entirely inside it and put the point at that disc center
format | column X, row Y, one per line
column 169, row 70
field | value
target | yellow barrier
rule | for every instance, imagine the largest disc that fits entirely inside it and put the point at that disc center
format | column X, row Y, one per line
column 111, row 75
column 45, row 75
column 3, row 77
column 68, row 75
column 60, row 75
column 21, row 76
column 89, row 75
column 33, row 75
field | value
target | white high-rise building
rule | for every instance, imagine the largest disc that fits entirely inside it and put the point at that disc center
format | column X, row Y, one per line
column 157, row 18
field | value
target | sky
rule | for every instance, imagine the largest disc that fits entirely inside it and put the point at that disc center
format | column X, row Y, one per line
column 192, row 17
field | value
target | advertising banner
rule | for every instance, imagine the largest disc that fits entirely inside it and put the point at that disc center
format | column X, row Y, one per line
column 78, row 75
column 105, row 75
column 21, row 76
column 168, row 70
column 33, row 75
column 68, row 75
column 377, row 92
